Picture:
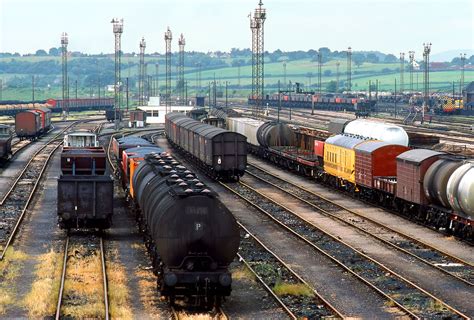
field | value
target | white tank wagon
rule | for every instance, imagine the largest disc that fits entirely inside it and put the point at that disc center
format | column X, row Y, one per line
column 460, row 190
column 378, row 130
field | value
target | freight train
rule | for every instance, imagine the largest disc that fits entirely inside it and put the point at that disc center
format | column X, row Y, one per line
column 360, row 106
column 373, row 161
column 190, row 235
column 219, row 152
column 31, row 124
column 85, row 188
column 12, row 107
column 6, row 137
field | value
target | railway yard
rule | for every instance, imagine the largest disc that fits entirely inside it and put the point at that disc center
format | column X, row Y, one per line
column 306, row 249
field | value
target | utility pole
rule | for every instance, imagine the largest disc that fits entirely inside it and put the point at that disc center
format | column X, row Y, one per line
column 411, row 56
column 402, row 70
column 76, row 87
column 337, row 76
column 118, row 30
column 64, row 43
column 284, row 74
column 226, row 96
column 128, row 93
column 256, row 25
column 461, row 83
column 426, row 57
column 320, row 62
column 349, row 66
column 141, row 75
column 395, row 91
column 98, row 79
column 168, row 38
column 33, row 88
column 279, row 102
column 157, row 75
column 181, row 44
column 238, row 73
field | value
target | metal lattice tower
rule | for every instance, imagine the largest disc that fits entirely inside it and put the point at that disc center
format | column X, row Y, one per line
column 168, row 38
column 285, row 84
column 181, row 44
column 337, row 76
column 157, row 75
column 463, row 63
column 320, row 62
column 411, row 56
column 258, row 37
column 349, row 66
column 64, row 43
column 141, row 76
column 426, row 79
column 118, row 30
column 402, row 71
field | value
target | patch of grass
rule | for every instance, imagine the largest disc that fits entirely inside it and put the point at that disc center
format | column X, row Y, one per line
column 292, row 289
column 119, row 296
column 243, row 272
column 10, row 268
column 437, row 305
column 42, row 299
column 83, row 289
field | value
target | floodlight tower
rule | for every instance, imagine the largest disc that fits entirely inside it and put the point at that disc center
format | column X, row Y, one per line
column 181, row 43
column 118, row 30
column 349, row 65
column 411, row 56
column 285, row 85
column 258, row 75
column 168, row 38
column 141, row 76
column 64, row 43
column 337, row 76
column 402, row 71
column 426, row 98
column 463, row 63
column 253, row 28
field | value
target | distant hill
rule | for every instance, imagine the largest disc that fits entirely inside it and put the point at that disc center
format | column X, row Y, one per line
column 449, row 55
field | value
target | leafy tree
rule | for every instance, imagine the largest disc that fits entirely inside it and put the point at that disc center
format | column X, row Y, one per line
column 390, row 58
column 331, row 86
column 54, row 52
column 372, row 58
column 358, row 59
column 41, row 53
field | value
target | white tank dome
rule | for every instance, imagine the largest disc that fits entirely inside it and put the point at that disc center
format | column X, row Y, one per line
column 389, row 133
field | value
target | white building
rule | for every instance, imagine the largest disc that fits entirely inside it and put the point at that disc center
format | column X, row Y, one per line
column 155, row 113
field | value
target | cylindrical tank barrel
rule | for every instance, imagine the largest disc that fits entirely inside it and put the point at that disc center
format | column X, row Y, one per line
column 461, row 189
column 436, row 180
column 191, row 228
column 273, row 133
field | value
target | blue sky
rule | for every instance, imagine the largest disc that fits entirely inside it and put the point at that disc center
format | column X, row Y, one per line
column 390, row 26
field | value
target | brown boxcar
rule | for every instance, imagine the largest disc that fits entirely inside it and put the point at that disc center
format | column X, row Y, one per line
column 45, row 115
column 137, row 115
column 411, row 168
column 85, row 201
column 83, row 161
column 28, row 124
column 376, row 159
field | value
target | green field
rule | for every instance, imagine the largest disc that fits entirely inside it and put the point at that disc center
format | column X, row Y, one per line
column 297, row 71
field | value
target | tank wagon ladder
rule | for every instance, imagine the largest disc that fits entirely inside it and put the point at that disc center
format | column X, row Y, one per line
column 290, row 306
column 343, row 255
column 438, row 259
column 64, row 273
column 23, row 179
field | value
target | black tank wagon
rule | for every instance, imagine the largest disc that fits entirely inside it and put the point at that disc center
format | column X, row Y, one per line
column 191, row 235
column 221, row 153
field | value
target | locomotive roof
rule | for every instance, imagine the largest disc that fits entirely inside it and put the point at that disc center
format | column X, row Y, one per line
column 345, row 141
column 417, row 156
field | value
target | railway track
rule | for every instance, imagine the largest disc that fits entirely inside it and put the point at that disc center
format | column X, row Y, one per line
column 439, row 259
column 15, row 202
column 277, row 277
column 179, row 313
column 87, row 251
column 399, row 292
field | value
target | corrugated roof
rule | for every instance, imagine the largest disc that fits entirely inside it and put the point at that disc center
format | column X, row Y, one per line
column 417, row 156
column 345, row 141
column 371, row 145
